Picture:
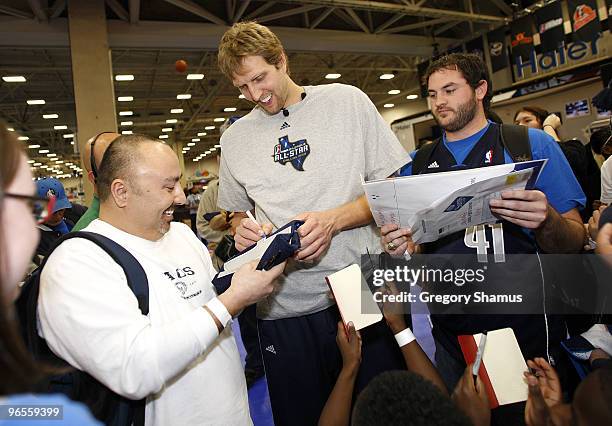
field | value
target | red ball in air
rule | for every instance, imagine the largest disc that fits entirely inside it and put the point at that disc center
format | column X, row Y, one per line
column 180, row 65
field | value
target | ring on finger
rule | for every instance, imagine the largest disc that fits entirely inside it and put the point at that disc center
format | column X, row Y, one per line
column 391, row 246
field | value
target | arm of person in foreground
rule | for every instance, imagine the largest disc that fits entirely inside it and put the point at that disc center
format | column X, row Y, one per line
column 337, row 410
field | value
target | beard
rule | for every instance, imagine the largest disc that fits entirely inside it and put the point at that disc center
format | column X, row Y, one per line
column 463, row 115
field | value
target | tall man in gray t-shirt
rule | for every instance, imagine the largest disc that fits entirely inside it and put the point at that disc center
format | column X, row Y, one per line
column 299, row 154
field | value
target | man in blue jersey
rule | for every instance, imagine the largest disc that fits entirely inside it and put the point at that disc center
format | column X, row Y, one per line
column 545, row 219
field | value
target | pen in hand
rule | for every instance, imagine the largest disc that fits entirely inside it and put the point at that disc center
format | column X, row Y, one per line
column 262, row 234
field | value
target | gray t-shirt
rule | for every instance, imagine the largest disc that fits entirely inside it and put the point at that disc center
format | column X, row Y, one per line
column 311, row 160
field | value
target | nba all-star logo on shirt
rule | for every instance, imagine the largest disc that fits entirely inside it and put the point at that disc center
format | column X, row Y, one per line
column 291, row 152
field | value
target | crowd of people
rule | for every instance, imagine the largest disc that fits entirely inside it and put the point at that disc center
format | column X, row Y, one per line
column 300, row 154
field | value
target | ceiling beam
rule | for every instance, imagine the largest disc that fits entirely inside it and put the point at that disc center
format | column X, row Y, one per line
column 501, row 5
column 243, row 5
column 134, row 11
column 285, row 13
column 413, row 10
column 321, row 18
column 15, row 12
column 38, row 10
column 357, row 20
column 260, row 9
column 58, row 7
column 118, row 9
column 446, row 27
column 198, row 10
column 392, row 20
column 416, row 25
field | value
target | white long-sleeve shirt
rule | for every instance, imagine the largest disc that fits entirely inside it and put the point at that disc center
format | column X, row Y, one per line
column 174, row 356
column 606, row 181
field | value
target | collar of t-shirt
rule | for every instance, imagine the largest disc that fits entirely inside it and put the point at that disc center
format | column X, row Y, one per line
column 461, row 148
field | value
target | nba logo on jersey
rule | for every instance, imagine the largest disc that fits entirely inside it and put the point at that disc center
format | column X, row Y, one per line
column 489, row 156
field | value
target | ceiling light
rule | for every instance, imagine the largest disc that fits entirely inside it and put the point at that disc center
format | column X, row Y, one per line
column 125, row 98
column 163, row 136
column 33, row 146
column 10, row 129
column 50, row 116
column 38, row 164
column 195, row 76
column 183, row 96
column 176, row 111
column 386, row 76
column 412, row 96
column 60, row 127
column 209, row 127
column 388, row 105
column 30, row 161
column 241, row 96
column 124, row 77
column 23, row 138
column 196, row 159
column 44, row 167
column 167, row 129
column 127, row 132
column 333, row 76
column 202, row 134
column 219, row 120
column 394, row 92
column 207, row 152
column 213, row 149
column 195, row 140
column 191, row 144
column 68, row 135
column 51, row 155
column 43, row 151
column 171, row 121
column 59, row 161
column 123, row 113
column 35, row 101
column 14, row 79
column 187, row 149
column 231, row 109
column 127, row 123
column 72, row 143
column 218, row 146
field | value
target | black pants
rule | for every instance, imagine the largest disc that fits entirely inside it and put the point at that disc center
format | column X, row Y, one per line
column 302, row 362
column 247, row 321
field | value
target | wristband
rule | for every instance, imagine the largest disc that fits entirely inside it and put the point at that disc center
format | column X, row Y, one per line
column 549, row 125
column 404, row 337
column 220, row 311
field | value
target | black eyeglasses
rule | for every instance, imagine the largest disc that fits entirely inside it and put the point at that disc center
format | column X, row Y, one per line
column 42, row 208
column 92, row 157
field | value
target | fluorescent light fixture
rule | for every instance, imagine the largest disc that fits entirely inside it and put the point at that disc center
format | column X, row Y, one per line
column 388, row 105
column 394, row 92
column 333, row 76
column 167, row 129
column 125, row 98
column 35, row 101
column 14, row 79
column 43, row 151
column 195, row 140
column 124, row 77
column 231, row 109
column 386, row 76
column 195, row 76
column 171, row 121
column 34, row 146
column 44, row 167
column 37, row 164
column 207, row 152
column 191, row 144
column 218, row 146
column 60, row 127
column 10, row 129
column 50, row 116
column 68, row 135
column 72, row 143
column 59, row 161
column 196, row 159
column 51, row 155
column 23, row 138
column 209, row 128
column 187, row 149
column 176, row 111
column 127, row 123
column 163, row 137
column 30, row 161
column 219, row 120
column 127, row 132
column 202, row 134
column 213, row 149
column 413, row 96
column 124, row 113
column 183, row 96
column 241, row 96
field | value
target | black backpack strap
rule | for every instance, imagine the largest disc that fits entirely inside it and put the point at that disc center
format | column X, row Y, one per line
column 516, row 141
column 421, row 156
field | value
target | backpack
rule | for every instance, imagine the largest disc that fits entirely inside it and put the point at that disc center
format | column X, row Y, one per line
column 515, row 140
column 105, row 405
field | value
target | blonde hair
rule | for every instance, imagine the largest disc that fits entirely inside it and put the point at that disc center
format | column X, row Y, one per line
column 248, row 39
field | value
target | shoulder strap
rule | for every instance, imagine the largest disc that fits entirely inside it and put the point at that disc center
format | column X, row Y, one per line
column 421, row 157
column 135, row 274
column 516, row 141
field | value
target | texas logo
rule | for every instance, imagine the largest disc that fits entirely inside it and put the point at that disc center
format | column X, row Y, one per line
column 291, row 152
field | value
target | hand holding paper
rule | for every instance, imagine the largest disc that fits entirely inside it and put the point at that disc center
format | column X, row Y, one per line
column 249, row 232
column 315, row 235
column 526, row 208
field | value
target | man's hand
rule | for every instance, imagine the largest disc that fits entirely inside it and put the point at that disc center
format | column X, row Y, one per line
column 393, row 311
column 219, row 222
column 249, row 286
column 349, row 342
column 553, row 121
column 396, row 241
column 604, row 241
column 544, row 392
column 315, row 235
column 526, row 208
column 472, row 399
column 248, row 233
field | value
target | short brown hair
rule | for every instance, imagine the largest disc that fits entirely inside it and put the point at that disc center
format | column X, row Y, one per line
column 539, row 113
column 248, row 39
column 470, row 65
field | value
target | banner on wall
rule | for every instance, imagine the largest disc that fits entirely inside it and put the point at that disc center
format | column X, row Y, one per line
column 498, row 50
column 549, row 21
column 522, row 37
column 585, row 22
